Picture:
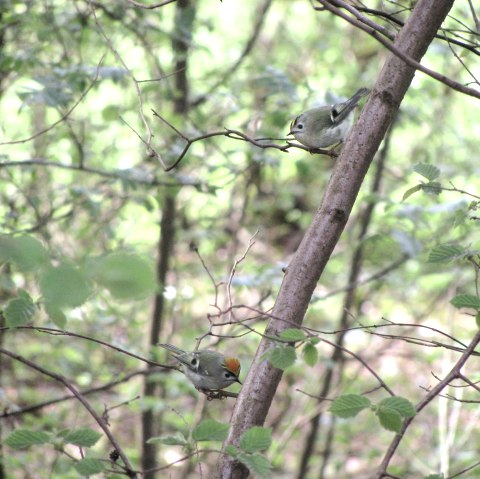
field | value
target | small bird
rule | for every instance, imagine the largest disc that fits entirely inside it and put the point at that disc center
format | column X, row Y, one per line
column 207, row 370
column 326, row 125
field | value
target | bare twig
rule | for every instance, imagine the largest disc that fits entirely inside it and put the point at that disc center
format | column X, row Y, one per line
column 117, row 175
column 454, row 373
column 366, row 25
column 36, row 407
column 152, row 6
column 236, row 135
column 65, row 115
column 102, row 424
column 134, row 80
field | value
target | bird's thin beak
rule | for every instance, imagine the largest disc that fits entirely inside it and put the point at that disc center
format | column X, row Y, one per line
column 290, row 133
column 238, row 381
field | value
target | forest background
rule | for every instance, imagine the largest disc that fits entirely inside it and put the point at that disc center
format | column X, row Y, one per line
column 138, row 206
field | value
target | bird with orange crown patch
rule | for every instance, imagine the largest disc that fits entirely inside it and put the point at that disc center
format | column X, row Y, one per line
column 207, row 370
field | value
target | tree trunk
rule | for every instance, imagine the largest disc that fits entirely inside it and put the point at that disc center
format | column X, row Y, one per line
column 329, row 221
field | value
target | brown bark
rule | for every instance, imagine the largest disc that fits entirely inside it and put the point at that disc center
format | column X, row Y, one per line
column 329, row 221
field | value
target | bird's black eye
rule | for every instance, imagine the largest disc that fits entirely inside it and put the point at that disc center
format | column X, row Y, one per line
column 300, row 126
column 228, row 375
column 334, row 113
column 194, row 361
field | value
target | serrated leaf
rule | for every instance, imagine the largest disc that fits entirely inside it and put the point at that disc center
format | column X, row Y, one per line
column 310, row 354
column 256, row 463
column 293, row 334
column 256, row 439
column 389, row 419
column 427, row 170
column 210, row 430
column 403, row 406
column 83, row 437
column 177, row 440
column 64, row 286
column 25, row 251
column 466, row 301
column 90, row 466
column 411, row 191
column 56, row 315
column 280, row 357
column 444, row 253
column 349, row 405
column 231, row 450
column 19, row 311
column 432, row 188
column 126, row 276
column 22, row 438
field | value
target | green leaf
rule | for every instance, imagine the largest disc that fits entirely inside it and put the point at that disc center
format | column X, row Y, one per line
column 210, row 430
column 427, row 170
column 349, row 405
column 22, row 438
column 432, row 188
column 19, row 311
column 444, row 253
column 25, row 251
column 90, row 466
column 389, row 419
column 256, row 463
column 176, row 440
column 256, row 439
column 280, row 357
column 293, row 334
column 83, row 437
column 411, row 191
column 310, row 354
column 231, row 450
column 403, row 406
column 64, row 286
column 56, row 315
column 126, row 276
column 477, row 319
column 434, row 476
column 466, row 301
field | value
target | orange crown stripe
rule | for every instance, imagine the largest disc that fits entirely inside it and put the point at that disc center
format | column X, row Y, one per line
column 232, row 365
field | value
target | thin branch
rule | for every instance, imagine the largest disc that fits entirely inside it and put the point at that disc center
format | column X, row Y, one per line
column 65, row 115
column 122, row 175
column 374, row 277
column 475, row 16
column 128, row 467
column 260, row 16
column 236, row 135
column 60, row 332
column 474, row 48
column 150, row 7
column 366, row 25
column 134, row 80
column 104, row 387
column 454, row 373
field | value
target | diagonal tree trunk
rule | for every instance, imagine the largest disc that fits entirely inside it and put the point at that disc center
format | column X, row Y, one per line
column 329, row 221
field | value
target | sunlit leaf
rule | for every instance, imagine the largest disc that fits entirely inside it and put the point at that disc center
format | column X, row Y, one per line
column 65, row 286
column 349, row 405
column 427, row 170
column 22, row 438
column 444, row 253
column 256, row 439
column 210, row 430
column 19, row 311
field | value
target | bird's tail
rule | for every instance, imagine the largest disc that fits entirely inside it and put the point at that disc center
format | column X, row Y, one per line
column 341, row 110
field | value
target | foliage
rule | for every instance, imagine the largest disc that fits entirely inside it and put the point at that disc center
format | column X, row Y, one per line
column 86, row 205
